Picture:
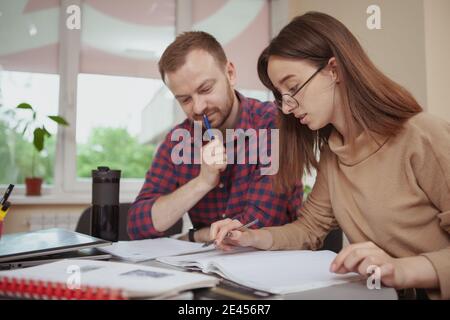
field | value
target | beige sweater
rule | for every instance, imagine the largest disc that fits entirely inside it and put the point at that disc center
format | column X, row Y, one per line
column 395, row 193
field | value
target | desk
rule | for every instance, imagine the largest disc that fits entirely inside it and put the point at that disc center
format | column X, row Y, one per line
column 346, row 291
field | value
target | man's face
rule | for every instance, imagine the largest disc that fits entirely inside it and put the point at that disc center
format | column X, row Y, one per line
column 202, row 86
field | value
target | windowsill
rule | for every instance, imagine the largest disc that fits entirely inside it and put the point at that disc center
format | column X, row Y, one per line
column 60, row 199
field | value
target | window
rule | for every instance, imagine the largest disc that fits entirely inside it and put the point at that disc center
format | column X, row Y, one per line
column 109, row 127
column 28, row 73
column 104, row 79
column 40, row 91
column 118, row 82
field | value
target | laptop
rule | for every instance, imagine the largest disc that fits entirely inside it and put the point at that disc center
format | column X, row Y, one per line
column 26, row 249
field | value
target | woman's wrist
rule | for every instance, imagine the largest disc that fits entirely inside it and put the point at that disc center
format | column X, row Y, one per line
column 418, row 273
column 261, row 239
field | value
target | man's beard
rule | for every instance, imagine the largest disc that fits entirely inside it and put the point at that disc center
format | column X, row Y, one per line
column 229, row 107
column 224, row 113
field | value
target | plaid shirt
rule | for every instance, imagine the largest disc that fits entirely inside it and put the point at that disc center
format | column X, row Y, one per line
column 243, row 193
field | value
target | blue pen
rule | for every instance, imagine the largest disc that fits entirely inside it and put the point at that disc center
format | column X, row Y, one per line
column 208, row 126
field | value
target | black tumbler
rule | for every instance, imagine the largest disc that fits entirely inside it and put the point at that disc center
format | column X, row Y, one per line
column 105, row 204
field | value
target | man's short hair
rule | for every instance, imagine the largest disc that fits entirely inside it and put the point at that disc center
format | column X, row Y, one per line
column 175, row 54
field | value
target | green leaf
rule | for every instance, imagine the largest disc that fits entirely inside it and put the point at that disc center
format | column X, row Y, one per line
column 48, row 134
column 38, row 139
column 59, row 120
column 24, row 106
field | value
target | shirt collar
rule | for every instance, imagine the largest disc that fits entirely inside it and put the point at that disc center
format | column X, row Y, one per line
column 365, row 145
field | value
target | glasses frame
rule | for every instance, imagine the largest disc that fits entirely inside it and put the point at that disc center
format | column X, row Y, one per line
column 279, row 102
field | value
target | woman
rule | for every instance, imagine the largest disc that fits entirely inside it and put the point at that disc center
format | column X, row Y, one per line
column 384, row 169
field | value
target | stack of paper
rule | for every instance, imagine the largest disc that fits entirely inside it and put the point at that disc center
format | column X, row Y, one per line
column 142, row 250
column 278, row 272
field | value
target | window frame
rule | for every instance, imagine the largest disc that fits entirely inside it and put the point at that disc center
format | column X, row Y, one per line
column 66, row 184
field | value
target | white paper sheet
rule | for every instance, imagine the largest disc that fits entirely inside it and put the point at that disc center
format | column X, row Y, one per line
column 142, row 250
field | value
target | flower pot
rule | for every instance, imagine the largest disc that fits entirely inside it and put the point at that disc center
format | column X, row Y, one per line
column 33, row 186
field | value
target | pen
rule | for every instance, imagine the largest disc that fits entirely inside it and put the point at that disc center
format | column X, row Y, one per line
column 210, row 242
column 6, row 195
column 208, row 126
column 4, row 210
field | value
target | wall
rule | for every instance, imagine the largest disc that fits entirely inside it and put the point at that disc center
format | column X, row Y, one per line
column 397, row 49
column 437, row 49
column 33, row 217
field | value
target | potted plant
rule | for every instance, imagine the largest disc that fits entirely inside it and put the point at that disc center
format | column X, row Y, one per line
column 40, row 134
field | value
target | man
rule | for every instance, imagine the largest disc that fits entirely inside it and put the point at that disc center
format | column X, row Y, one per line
column 196, row 70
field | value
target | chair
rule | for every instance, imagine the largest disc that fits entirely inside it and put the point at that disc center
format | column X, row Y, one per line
column 84, row 223
column 333, row 241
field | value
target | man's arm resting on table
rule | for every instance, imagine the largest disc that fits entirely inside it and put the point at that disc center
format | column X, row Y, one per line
column 168, row 209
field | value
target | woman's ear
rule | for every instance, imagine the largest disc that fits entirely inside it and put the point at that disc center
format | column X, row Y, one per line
column 334, row 69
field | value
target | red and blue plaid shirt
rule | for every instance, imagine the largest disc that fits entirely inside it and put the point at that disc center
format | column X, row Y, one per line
column 243, row 193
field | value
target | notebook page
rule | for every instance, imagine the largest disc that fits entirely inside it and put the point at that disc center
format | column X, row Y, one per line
column 282, row 272
column 201, row 260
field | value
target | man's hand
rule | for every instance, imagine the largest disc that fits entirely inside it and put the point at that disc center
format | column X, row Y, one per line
column 169, row 208
column 214, row 161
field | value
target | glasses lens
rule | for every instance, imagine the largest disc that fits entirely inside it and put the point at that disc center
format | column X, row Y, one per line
column 289, row 101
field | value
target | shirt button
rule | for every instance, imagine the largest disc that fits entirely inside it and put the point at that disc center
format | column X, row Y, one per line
column 221, row 185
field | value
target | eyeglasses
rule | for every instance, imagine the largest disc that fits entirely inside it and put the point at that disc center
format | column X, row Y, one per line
column 289, row 100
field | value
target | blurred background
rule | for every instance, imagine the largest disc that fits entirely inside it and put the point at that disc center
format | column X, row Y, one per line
column 103, row 79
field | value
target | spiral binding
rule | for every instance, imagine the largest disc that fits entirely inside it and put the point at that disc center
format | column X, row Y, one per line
column 30, row 289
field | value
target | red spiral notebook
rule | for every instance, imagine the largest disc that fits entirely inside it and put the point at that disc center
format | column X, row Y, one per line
column 24, row 289
column 98, row 280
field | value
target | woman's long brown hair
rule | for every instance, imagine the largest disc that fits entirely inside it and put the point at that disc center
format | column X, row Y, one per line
column 370, row 98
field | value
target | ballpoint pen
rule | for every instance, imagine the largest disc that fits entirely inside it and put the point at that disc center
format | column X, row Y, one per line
column 208, row 126
column 210, row 242
column 7, row 194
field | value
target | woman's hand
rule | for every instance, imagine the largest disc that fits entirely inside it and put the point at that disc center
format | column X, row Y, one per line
column 244, row 238
column 399, row 273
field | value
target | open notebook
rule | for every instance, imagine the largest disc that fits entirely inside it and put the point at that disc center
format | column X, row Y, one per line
column 277, row 272
column 84, row 279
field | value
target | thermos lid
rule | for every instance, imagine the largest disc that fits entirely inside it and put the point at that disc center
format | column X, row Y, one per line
column 104, row 174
